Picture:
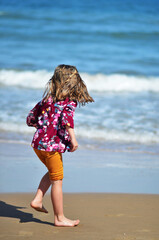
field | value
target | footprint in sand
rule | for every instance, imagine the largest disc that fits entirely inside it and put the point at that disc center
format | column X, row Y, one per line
column 115, row 215
column 125, row 237
column 144, row 230
column 25, row 234
column 121, row 215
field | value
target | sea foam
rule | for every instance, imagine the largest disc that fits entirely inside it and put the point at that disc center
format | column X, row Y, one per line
column 94, row 134
column 97, row 82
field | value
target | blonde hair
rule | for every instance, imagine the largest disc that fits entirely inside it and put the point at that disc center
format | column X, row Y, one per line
column 67, row 83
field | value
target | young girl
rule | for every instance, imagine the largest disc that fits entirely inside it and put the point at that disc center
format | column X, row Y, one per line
column 53, row 119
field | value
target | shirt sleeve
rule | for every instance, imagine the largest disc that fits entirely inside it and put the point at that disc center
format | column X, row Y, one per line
column 68, row 114
column 32, row 118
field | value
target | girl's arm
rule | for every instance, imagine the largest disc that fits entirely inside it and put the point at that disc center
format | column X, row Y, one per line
column 74, row 142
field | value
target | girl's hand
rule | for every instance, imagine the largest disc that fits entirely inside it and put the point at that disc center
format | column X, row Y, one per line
column 74, row 143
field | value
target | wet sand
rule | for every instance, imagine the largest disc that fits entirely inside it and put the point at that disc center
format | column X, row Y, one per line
column 102, row 216
column 85, row 170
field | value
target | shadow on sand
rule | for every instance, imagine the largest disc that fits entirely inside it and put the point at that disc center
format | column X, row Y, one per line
column 11, row 211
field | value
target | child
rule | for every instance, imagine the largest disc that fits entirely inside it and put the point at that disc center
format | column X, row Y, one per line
column 53, row 119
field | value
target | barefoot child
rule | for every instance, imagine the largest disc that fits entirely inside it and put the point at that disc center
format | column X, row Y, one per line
column 53, row 119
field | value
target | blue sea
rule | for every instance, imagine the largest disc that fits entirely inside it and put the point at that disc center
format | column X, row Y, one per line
column 114, row 45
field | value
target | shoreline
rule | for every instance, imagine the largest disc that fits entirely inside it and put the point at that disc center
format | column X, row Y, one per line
column 85, row 171
column 102, row 216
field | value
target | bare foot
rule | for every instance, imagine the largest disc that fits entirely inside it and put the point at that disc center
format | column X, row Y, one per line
column 38, row 206
column 65, row 222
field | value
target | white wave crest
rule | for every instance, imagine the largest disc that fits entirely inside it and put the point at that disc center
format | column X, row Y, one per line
column 118, row 136
column 96, row 134
column 121, row 83
column 16, row 128
column 26, row 79
column 97, row 82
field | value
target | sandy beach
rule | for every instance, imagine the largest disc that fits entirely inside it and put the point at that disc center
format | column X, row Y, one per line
column 117, row 213
column 103, row 216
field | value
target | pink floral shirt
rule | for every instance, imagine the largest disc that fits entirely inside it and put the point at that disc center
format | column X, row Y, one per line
column 50, row 120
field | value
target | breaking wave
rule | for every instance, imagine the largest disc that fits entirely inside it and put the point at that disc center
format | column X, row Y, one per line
column 97, row 82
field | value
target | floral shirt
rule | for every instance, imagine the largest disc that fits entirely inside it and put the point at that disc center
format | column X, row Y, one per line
column 50, row 120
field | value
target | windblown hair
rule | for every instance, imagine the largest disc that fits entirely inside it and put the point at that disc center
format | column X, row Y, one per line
column 67, row 83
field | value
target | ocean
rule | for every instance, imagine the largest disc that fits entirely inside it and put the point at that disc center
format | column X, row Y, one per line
column 115, row 47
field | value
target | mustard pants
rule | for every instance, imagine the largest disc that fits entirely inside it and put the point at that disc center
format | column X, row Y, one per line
column 53, row 162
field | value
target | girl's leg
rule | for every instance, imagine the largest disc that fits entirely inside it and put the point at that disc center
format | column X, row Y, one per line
column 57, row 201
column 42, row 189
